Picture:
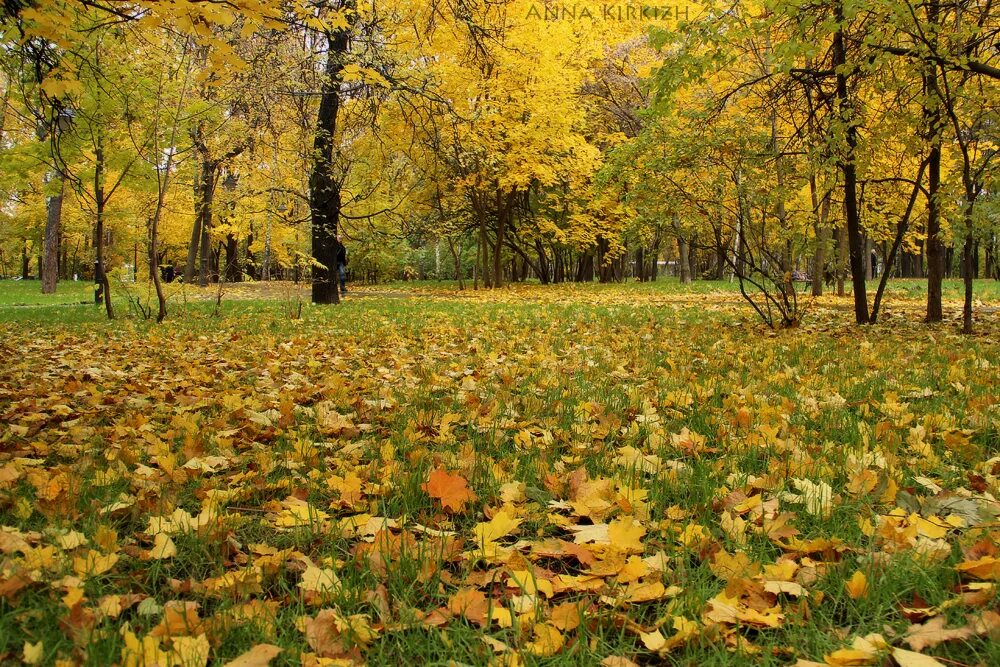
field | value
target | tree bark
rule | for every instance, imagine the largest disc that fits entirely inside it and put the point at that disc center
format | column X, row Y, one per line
column 932, row 118
column 50, row 246
column 192, row 255
column 234, row 271
column 935, row 247
column 102, row 291
column 324, row 186
column 967, row 270
column 841, row 271
column 848, row 169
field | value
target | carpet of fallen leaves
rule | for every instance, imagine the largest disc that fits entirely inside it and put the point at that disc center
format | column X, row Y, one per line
column 532, row 476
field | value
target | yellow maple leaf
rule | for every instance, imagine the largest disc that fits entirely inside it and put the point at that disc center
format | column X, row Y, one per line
column 857, row 585
column 501, row 525
column 626, row 534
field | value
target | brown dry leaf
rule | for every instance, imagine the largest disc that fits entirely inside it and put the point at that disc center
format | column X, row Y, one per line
column 933, row 632
column 323, row 634
column 476, row 607
column 452, row 490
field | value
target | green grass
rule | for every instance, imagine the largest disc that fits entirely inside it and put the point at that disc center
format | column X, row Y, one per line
column 29, row 293
column 574, row 367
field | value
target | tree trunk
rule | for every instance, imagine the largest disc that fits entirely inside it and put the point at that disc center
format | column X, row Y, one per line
column 456, row 257
column 720, row 254
column 544, row 269
column 503, row 213
column 932, row 119
column 102, row 291
column 841, row 272
column 50, row 246
column 199, row 216
column 654, row 259
column 968, row 271
column 234, row 270
column 822, row 237
column 25, row 261
column 849, row 170
column 205, row 227
column 935, row 247
column 324, row 186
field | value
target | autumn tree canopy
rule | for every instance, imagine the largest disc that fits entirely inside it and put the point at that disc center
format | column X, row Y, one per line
column 770, row 142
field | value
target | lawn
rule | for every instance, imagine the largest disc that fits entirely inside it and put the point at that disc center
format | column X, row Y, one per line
column 565, row 475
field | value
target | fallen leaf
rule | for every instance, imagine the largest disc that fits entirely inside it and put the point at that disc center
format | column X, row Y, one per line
column 260, row 655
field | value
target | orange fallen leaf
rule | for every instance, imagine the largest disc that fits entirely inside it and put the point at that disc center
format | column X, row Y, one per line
column 452, row 490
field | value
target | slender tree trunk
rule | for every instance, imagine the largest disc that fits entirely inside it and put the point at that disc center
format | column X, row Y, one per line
column 456, row 257
column 102, row 291
column 932, row 119
column 25, row 261
column 822, row 237
column 683, row 248
column 841, row 272
column 935, row 247
column 199, row 215
column 967, row 266
column 503, row 213
column 720, row 254
column 848, row 168
column 208, row 175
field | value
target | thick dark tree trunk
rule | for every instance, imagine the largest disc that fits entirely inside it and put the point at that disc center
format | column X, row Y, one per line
column 324, row 184
column 234, row 270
